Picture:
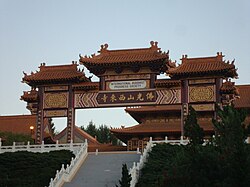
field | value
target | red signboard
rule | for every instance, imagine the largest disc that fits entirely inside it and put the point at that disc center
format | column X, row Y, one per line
column 126, row 97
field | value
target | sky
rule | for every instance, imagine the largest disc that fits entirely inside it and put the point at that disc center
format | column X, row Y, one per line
column 56, row 32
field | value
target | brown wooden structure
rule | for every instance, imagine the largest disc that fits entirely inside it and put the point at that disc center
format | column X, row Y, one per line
column 129, row 78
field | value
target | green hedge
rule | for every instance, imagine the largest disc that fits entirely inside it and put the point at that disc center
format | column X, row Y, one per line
column 173, row 165
column 27, row 169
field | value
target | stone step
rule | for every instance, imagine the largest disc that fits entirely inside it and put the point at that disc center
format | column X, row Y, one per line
column 103, row 169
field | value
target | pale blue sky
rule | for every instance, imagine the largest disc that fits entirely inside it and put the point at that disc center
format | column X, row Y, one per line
column 55, row 32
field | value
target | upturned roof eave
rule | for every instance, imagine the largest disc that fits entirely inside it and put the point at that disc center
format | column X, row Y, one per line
column 32, row 82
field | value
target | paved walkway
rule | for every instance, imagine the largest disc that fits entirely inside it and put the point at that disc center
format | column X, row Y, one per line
column 102, row 170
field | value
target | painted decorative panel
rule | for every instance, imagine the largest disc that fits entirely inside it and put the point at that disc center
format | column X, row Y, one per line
column 56, row 88
column 168, row 96
column 201, row 93
column 55, row 100
column 55, row 113
column 204, row 107
column 201, row 81
column 86, row 100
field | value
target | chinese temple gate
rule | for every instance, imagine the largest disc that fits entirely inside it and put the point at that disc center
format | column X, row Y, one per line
column 129, row 78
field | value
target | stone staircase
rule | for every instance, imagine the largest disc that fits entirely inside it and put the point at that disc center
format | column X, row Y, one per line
column 102, row 169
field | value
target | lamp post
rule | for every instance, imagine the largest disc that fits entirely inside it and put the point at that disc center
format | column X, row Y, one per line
column 31, row 130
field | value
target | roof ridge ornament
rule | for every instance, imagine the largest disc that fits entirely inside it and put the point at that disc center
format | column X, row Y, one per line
column 43, row 64
column 104, row 48
column 154, row 46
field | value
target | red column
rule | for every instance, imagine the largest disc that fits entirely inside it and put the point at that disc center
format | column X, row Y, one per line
column 70, row 117
column 40, row 118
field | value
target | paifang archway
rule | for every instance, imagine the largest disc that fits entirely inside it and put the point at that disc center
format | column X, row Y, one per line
column 127, row 78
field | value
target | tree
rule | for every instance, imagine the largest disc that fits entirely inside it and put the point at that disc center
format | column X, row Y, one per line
column 126, row 177
column 230, row 140
column 91, row 129
column 102, row 133
column 192, row 128
column 230, row 129
column 14, row 137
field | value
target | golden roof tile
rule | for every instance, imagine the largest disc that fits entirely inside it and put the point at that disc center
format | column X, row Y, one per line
column 203, row 66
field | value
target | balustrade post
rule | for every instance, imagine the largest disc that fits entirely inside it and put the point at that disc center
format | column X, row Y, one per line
column 57, row 174
column 14, row 147
column 96, row 152
column 51, row 182
column 138, row 151
column 42, row 147
column 72, row 162
column 181, row 140
column 150, row 139
column 28, row 146
column 63, row 167
column 57, row 144
column 166, row 139
column 71, row 145
column 67, row 169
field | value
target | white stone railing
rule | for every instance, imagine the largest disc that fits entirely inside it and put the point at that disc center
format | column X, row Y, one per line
column 136, row 168
column 74, row 147
column 66, row 175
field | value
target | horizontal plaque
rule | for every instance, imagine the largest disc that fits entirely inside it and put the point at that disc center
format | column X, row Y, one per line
column 201, row 81
column 55, row 100
column 56, row 88
column 127, row 85
column 204, row 107
column 201, row 93
column 55, row 113
column 108, row 98
column 126, row 98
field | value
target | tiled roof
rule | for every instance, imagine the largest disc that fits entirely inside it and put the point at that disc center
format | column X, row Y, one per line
column 77, row 131
column 155, row 109
column 17, row 124
column 204, row 66
column 163, row 83
column 91, row 139
column 86, row 86
column 127, row 57
column 139, row 113
column 61, row 73
column 30, row 96
column 170, row 127
column 244, row 100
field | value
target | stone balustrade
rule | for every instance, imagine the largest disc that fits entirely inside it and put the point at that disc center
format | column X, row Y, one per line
column 66, row 175
column 74, row 147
